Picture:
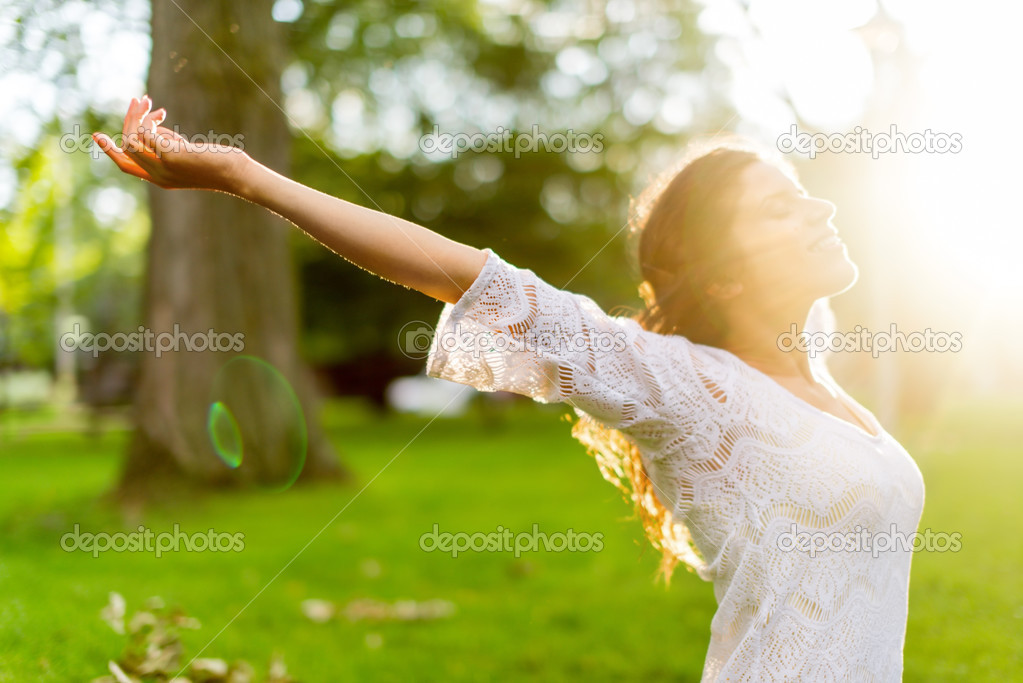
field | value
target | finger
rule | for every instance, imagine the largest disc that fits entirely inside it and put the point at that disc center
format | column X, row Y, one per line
column 154, row 118
column 137, row 111
column 169, row 140
column 172, row 134
column 107, row 145
column 142, row 155
column 140, row 143
column 130, row 126
column 157, row 144
column 150, row 132
column 129, row 119
column 122, row 160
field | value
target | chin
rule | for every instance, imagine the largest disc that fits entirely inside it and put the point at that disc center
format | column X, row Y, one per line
column 839, row 278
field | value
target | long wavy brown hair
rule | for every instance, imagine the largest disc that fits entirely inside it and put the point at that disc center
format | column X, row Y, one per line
column 682, row 221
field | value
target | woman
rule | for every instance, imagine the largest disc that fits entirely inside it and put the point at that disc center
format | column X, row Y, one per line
column 744, row 458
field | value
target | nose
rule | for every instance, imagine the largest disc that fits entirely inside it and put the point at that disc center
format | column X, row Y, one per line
column 820, row 210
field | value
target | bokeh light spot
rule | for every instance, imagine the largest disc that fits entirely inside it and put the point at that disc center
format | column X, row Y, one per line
column 224, row 433
column 255, row 411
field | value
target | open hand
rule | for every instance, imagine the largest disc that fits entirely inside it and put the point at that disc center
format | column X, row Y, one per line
column 165, row 158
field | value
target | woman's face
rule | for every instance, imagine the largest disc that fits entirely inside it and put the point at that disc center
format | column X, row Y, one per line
column 783, row 242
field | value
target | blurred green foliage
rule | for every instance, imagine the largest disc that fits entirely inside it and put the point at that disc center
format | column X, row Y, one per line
column 368, row 79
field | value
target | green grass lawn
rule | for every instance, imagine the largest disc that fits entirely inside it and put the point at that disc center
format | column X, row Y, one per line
column 594, row 616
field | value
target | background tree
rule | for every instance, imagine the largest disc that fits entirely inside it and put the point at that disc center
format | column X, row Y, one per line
column 215, row 262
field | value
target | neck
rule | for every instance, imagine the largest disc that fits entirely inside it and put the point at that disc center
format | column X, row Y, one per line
column 754, row 333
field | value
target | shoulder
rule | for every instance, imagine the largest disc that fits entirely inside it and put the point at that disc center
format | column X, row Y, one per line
column 705, row 377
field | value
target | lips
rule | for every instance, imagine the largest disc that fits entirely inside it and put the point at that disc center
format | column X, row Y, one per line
column 826, row 242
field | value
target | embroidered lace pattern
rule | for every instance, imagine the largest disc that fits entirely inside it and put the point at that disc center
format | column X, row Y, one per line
column 779, row 496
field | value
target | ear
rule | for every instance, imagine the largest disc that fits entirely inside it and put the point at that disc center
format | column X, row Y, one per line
column 725, row 291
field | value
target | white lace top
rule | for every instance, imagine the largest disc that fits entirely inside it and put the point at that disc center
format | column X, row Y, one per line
column 752, row 470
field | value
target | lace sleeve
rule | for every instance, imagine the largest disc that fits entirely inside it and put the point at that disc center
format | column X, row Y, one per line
column 512, row 331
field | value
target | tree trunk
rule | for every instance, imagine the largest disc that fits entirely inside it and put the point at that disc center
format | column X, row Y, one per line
column 217, row 262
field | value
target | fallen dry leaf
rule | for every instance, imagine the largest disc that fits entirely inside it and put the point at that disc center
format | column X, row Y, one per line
column 113, row 613
column 319, row 611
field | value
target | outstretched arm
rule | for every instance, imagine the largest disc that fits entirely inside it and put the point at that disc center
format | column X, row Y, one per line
column 390, row 247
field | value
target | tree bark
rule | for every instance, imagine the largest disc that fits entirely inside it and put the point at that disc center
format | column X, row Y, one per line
column 217, row 262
